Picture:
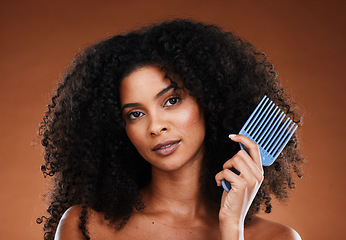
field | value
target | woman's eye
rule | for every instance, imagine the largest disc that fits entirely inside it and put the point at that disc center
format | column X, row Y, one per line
column 172, row 101
column 134, row 115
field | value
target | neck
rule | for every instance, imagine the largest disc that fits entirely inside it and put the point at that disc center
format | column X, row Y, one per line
column 175, row 192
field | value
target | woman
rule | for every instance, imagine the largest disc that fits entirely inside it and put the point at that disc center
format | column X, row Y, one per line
column 136, row 139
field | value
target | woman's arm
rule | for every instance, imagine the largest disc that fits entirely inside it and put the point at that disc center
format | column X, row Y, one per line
column 236, row 203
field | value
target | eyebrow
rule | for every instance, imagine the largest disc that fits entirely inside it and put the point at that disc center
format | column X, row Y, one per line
column 163, row 91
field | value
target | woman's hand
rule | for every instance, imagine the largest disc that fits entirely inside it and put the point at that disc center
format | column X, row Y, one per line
column 236, row 203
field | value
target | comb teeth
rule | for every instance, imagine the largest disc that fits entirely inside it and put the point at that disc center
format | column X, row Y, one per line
column 270, row 128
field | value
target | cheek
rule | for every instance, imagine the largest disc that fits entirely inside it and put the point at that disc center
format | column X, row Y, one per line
column 133, row 135
column 192, row 120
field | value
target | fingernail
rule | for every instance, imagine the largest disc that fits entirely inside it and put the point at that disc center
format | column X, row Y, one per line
column 232, row 135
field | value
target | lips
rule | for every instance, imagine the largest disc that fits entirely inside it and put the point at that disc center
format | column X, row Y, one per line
column 166, row 148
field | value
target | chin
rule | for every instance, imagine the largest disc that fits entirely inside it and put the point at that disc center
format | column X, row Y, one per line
column 176, row 163
column 169, row 165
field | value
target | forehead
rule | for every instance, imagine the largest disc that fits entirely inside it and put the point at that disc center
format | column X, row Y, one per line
column 148, row 80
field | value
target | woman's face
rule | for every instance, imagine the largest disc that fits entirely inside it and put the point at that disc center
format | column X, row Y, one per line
column 165, row 124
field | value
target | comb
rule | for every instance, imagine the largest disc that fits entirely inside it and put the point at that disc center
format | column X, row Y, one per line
column 270, row 129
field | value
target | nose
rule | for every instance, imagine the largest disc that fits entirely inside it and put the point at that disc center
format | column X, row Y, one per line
column 158, row 126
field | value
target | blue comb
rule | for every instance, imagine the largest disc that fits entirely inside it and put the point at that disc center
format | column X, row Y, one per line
column 270, row 129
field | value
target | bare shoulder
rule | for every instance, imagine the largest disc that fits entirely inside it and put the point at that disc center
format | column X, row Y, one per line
column 68, row 227
column 96, row 225
column 262, row 228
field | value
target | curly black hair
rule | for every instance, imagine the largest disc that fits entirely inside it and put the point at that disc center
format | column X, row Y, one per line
column 87, row 151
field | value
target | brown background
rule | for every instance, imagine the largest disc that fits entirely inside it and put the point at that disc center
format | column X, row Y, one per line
column 304, row 40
